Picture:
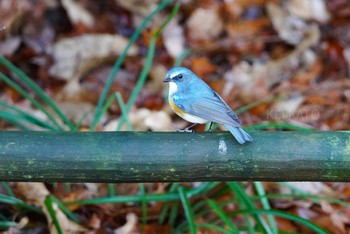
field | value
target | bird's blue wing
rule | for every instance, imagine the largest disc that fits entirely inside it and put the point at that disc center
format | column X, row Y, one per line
column 213, row 108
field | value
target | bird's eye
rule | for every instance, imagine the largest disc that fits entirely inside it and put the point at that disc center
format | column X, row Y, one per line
column 180, row 76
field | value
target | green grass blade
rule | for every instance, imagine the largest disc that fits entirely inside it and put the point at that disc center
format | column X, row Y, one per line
column 7, row 188
column 147, row 197
column 285, row 215
column 222, row 215
column 202, row 189
column 147, row 66
column 111, row 190
column 164, row 211
column 252, row 105
column 266, row 205
column 13, row 120
column 214, row 227
column 124, row 110
column 36, row 89
column 25, row 94
column 120, row 60
column 29, row 118
column 19, row 203
column 65, row 210
column 238, row 191
column 187, row 208
column 173, row 213
column 49, row 205
column 143, row 204
column 121, row 103
column 7, row 224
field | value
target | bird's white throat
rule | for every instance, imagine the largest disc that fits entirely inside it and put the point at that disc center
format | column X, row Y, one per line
column 172, row 88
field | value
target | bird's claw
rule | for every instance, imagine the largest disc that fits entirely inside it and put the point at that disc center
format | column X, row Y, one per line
column 184, row 130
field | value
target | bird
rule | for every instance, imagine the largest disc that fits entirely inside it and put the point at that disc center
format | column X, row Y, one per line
column 193, row 100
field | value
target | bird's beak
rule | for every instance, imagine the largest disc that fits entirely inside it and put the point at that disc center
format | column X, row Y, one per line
column 167, row 79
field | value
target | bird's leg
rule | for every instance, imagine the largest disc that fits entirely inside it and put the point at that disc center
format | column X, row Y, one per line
column 188, row 129
column 211, row 124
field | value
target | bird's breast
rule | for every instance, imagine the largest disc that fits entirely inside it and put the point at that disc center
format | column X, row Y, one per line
column 185, row 115
column 175, row 108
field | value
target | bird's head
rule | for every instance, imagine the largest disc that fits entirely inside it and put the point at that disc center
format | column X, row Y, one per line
column 179, row 75
column 178, row 78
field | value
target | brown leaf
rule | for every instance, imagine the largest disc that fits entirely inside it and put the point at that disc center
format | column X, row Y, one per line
column 202, row 67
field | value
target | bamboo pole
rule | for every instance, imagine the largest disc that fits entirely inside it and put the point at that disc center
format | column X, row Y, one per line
column 165, row 156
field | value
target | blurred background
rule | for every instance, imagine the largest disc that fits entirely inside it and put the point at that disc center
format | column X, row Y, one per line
column 84, row 65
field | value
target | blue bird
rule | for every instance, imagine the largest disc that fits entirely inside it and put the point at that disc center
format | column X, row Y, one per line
column 193, row 100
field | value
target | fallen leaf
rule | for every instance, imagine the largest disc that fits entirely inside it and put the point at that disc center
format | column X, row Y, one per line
column 286, row 109
column 75, row 56
column 158, row 121
column 143, row 120
column 9, row 46
column 81, row 113
column 77, row 13
column 317, row 188
column 309, row 10
column 36, row 193
column 143, row 8
column 130, row 225
column 204, row 24
column 202, row 66
column 174, row 39
column 290, row 28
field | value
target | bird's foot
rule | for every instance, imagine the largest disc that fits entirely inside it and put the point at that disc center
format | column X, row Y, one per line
column 188, row 129
column 211, row 124
column 184, row 130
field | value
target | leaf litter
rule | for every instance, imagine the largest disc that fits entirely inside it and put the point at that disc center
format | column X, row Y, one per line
column 295, row 51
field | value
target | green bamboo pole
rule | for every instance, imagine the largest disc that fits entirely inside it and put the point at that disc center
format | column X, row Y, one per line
column 165, row 156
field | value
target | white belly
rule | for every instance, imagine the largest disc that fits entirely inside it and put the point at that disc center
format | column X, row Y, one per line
column 193, row 118
column 185, row 116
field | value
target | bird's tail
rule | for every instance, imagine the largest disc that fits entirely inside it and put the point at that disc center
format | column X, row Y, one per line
column 240, row 135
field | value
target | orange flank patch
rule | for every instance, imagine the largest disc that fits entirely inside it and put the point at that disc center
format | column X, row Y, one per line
column 176, row 109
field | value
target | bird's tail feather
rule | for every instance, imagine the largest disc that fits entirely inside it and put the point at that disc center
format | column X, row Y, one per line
column 240, row 135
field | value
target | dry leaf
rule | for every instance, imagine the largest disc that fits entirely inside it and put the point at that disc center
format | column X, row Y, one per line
column 316, row 188
column 9, row 46
column 143, row 120
column 290, row 28
column 311, row 9
column 75, row 56
column 140, row 7
column 204, row 24
column 130, row 225
column 18, row 229
column 202, row 66
column 158, row 121
column 36, row 193
column 286, row 109
column 174, row 39
column 77, row 13
column 78, row 112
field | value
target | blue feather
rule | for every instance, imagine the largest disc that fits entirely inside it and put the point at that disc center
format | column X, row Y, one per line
column 240, row 135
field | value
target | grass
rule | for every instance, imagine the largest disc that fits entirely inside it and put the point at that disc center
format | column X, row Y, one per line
column 182, row 205
column 117, row 65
